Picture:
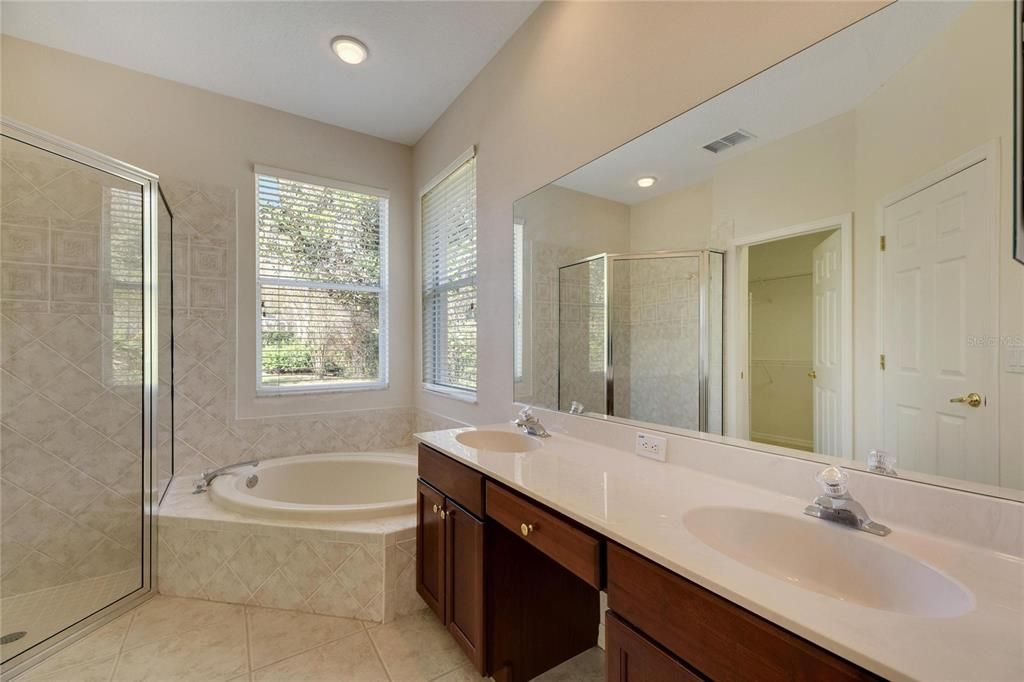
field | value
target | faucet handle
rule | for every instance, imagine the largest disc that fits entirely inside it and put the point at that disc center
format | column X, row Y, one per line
column 526, row 413
column 833, row 481
column 882, row 462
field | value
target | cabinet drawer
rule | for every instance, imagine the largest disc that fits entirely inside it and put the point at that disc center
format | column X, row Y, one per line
column 631, row 657
column 573, row 548
column 457, row 481
column 718, row 638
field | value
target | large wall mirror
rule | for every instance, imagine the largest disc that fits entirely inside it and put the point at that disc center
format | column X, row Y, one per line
column 818, row 262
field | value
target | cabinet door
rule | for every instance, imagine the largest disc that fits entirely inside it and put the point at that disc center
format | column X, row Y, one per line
column 465, row 581
column 430, row 554
column 631, row 657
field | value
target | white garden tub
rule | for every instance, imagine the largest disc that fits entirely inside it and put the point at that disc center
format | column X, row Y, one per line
column 327, row 487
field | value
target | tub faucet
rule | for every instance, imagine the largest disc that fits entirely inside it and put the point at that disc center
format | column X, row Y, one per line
column 838, row 506
column 203, row 483
column 530, row 424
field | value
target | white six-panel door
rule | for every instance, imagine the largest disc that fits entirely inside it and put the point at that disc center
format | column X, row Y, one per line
column 938, row 315
column 827, row 374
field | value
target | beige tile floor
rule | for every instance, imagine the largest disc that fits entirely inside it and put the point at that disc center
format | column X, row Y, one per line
column 174, row 639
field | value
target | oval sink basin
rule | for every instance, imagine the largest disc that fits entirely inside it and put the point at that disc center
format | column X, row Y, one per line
column 830, row 560
column 498, row 441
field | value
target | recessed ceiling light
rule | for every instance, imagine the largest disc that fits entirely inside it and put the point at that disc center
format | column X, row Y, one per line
column 646, row 181
column 349, row 50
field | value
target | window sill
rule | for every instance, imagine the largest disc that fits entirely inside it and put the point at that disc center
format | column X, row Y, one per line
column 265, row 392
column 459, row 394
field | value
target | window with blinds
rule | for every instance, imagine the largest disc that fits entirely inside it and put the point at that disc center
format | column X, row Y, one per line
column 321, row 253
column 449, row 281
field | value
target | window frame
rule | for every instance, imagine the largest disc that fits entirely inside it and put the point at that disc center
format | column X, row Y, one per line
column 382, row 382
column 440, row 341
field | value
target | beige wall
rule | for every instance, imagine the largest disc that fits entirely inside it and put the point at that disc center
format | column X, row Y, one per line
column 187, row 133
column 679, row 220
column 557, row 215
column 555, row 97
column 804, row 177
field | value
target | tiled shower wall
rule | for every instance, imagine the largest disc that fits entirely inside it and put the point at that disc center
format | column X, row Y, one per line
column 656, row 320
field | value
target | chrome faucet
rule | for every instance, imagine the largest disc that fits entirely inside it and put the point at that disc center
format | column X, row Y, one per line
column 838, row 506
column 530, row 424
column 203, row 483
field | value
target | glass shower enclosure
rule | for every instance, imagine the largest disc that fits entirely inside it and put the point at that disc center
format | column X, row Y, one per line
column 78, row 320
column 640, row 337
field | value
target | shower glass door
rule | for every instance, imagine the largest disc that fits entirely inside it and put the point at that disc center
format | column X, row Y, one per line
column 76, row 388
column 656, row 339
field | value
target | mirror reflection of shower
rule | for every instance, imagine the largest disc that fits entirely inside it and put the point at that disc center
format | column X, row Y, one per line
column 640, row 337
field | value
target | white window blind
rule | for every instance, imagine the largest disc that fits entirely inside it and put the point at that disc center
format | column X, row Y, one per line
column 122, row 218
column 449, row 281
column 321, row 263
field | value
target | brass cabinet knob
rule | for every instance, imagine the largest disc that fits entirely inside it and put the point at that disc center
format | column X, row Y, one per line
column 526, row 529
column 436, row 508
column 444, row 514
column 812, row 374
column 972, row 399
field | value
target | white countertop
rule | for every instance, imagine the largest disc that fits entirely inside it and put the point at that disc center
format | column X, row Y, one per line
column 640, row 504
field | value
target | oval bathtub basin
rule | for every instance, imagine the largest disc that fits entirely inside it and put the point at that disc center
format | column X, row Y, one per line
column 498, row 441
column 327, row 487
column 830, row 559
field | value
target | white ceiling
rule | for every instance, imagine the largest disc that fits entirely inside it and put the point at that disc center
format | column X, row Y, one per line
column 815, row 85
column 422, row 54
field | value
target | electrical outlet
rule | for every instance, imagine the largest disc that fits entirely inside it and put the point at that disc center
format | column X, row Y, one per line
column 654, row 447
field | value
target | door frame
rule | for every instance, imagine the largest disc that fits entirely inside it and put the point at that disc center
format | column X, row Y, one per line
column 738, row 387
column 985, row 152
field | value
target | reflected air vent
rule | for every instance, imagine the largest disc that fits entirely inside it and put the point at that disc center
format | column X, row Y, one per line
column 728, row 141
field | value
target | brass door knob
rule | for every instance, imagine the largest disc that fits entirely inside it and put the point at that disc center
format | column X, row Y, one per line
column 526, row 529
column 812, row 374
column 972, row 399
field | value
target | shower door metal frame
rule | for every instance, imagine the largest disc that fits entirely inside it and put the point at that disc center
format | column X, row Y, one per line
column 704, row 323
column 149, row 184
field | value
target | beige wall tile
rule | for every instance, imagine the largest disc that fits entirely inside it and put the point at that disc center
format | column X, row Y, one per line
column 25, row 244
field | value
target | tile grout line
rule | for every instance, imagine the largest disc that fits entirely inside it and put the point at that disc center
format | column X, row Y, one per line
column 312, row 648
column 120, row 648
column 248, row 640
column 380, row 657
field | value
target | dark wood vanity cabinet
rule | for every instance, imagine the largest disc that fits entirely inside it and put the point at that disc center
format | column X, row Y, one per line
column 450, row 550
column 631, row 657
column 656, row 617
column 430, row 549
column 543, row 606
column 464, row 581
column 516, row 584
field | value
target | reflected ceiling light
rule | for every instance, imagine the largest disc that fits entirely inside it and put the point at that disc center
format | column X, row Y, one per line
column 646, row 181
column 349, row 50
